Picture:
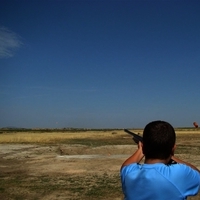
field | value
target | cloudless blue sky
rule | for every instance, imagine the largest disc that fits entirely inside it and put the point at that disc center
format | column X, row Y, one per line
column 99, row 64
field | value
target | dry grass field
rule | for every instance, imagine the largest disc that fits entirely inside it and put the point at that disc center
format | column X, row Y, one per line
column 73, row 165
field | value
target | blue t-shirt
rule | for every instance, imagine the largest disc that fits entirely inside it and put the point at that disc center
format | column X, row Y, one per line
column 159, row 181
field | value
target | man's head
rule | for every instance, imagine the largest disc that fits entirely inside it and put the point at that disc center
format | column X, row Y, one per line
column 158, row 140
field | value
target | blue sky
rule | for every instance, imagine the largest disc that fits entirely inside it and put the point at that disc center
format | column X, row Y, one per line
column 99, row 64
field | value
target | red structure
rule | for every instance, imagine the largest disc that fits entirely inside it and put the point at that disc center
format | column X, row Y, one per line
column 195, row 125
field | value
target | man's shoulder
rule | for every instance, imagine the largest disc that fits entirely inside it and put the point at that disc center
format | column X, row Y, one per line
column 159, row 167
column 130, row 168
column 176, row 170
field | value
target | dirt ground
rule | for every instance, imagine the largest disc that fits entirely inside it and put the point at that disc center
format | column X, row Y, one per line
column 24, row 167
column 71, row 171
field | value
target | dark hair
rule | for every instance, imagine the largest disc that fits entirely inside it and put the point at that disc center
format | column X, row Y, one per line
column 158, row 140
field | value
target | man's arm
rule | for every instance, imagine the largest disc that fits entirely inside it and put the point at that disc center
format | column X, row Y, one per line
column 136, row 157
column 186, row 163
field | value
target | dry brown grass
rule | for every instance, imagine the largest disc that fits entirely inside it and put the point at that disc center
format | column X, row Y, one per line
column 54, row 137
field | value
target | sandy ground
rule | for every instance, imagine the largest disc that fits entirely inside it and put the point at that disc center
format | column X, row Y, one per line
column 63, row 161
column 59, row 161
column 48, row 159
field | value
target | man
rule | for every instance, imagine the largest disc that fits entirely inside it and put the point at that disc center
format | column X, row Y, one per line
column 158, row 178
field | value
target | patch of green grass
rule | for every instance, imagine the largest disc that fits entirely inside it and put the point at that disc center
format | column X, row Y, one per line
column 183, row 149
column 90, row 186
column 106, row 185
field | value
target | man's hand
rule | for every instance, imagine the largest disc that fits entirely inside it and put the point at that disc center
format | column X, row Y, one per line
column 140, row 145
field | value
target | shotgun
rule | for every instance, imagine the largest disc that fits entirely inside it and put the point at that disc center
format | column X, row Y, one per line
column 136, row 137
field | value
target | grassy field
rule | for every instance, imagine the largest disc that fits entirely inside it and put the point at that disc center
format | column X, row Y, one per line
column 32, row 167
column 54, row 137
column 60, row 136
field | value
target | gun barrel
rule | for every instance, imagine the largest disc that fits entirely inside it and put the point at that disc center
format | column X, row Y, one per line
column 136, row 137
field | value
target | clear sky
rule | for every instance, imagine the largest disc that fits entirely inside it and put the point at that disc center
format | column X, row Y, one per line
column 99, row 64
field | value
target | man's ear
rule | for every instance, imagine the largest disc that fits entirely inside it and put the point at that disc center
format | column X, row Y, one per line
column 142, row 148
